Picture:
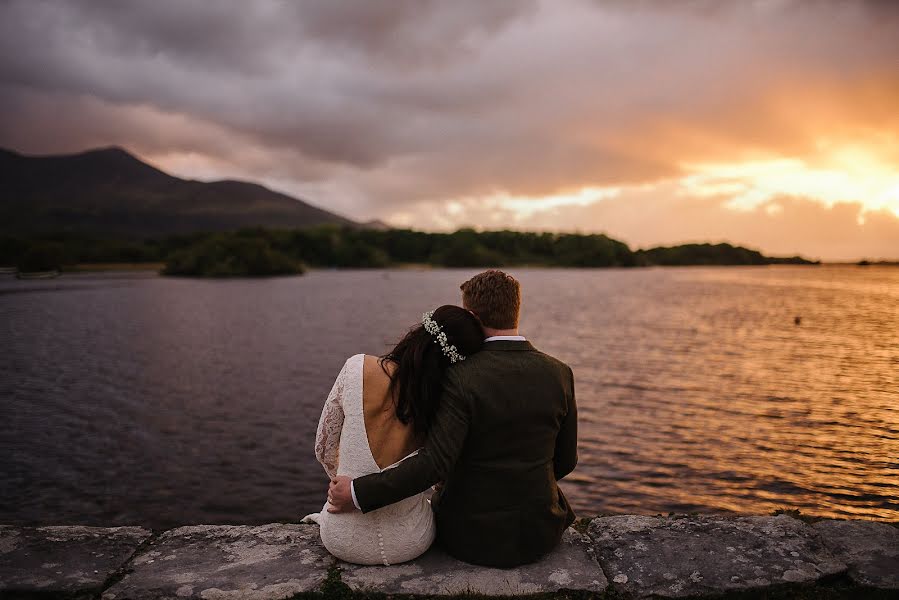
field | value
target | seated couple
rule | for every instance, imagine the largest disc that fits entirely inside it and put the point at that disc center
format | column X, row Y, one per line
column 462, row 403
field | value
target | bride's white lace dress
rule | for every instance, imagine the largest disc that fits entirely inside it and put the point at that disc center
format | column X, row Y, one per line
column 395, row 533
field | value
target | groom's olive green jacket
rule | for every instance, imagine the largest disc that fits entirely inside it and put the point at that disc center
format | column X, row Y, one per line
column 505, row 432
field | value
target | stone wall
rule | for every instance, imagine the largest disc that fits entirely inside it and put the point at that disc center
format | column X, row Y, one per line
column 617, row 557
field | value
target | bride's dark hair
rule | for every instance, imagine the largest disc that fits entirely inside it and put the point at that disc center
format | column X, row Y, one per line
column 417, row 380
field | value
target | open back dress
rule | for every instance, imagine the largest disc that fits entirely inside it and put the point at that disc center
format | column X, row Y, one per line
column 392, row 534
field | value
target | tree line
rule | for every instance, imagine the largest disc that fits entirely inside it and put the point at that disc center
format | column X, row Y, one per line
column 270, row 251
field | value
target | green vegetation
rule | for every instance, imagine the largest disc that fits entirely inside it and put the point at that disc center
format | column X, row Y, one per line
column 702, row 254
column 225, row 255
column 711, row 254
column 259, row 251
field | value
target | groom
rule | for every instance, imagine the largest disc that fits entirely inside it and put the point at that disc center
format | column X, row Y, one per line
column 505, row 433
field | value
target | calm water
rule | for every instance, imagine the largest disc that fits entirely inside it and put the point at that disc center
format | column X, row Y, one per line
column 139, row 399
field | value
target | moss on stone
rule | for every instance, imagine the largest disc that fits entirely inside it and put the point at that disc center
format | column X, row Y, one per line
column 334, row 588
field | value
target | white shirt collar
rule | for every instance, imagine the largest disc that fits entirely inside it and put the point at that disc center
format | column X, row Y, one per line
column 506, row 338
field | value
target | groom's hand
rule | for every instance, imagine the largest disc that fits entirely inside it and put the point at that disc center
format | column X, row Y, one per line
column 340, row 495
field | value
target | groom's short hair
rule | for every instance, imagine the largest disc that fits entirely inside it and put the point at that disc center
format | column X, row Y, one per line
column 494, row 297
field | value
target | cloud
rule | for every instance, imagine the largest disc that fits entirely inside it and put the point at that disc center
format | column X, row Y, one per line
column 380, row 109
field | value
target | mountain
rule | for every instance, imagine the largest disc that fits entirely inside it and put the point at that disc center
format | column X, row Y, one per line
column 109, row 191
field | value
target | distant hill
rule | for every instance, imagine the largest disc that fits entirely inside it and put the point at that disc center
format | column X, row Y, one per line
column 712, row 254
column 111, row 192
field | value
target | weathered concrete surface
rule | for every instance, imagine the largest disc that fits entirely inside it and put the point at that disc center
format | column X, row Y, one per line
column 220, row 561
column 677, row 557
column 570, row 566
column 63, row 560
column 870, row 549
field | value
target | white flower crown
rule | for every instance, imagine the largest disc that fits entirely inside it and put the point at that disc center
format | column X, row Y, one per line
column 433, row 328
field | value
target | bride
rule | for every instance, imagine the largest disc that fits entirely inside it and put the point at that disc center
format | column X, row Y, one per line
column 378, row 413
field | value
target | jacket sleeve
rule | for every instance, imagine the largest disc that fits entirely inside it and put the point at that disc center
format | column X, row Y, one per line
column 565, row 455
column 432, row 463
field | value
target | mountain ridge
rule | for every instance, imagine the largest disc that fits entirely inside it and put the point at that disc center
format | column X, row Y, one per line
column 110, row 191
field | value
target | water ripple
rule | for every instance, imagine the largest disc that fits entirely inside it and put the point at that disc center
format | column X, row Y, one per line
column 135, row 399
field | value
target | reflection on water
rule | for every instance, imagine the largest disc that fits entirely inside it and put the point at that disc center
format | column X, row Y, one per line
column 141, row 399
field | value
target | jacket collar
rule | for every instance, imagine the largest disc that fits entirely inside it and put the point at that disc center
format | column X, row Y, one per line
column 505, row 345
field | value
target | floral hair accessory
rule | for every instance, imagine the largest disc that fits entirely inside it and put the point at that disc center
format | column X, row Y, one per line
column 433, row 328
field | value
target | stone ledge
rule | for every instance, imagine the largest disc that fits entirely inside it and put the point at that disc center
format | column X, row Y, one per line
column 221, row 561
column 570, row 566
column 870, row 549
column 696, row 556
column 674, row 557
column 74, row 561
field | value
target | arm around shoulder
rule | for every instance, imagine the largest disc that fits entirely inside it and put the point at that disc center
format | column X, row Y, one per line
column 432, row 463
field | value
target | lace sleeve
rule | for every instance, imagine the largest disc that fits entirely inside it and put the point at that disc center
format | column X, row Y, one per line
column 327, row 437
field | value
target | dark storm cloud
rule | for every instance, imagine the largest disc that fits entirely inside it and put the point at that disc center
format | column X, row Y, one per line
column 407, row 32
column 375, row 108
column 289, row 74
column 365, row 83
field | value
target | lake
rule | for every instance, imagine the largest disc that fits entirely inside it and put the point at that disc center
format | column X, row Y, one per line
column 128, row 398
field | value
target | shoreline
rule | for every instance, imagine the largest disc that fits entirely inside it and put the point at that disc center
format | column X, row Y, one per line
column 158, row 266
column 103, row 267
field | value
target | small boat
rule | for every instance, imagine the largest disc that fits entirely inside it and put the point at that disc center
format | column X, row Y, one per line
column 8, row 270
column 37, row 274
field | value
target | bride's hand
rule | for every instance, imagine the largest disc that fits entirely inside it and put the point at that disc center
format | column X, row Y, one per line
column 340, row 495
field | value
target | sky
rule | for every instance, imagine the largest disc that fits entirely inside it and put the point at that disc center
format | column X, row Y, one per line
column 771, row 124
